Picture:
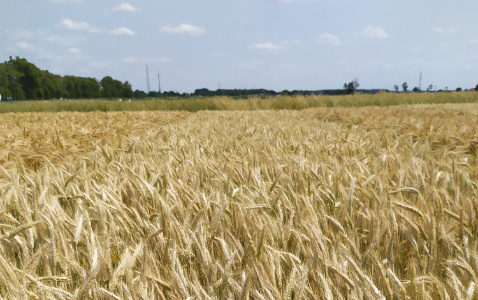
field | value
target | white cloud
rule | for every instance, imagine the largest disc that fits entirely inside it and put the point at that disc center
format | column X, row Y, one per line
column 374, row 32
column 65, row 40
column 24, row 46
column 20, row 34
column 123, row 31
column 126, row 7
column 329, row 39
column 445, row 30
column 74, row 51
column 474, row 41
column 265, row 46
column 80, row 26
column 184, row 29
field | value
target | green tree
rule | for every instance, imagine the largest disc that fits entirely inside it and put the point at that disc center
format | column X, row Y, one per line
column 111, row 88
column 52, row 85
column 127, row 90
column 351, row 87
column 10, row 82
column 30, row 81
column 405, row 86
column 4, row 82
column 139, row 94
column 88, row 87
column 71, row 86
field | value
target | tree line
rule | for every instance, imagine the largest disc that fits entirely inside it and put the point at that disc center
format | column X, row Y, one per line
column 22, row 80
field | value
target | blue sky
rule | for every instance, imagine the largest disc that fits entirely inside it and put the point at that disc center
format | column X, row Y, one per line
column 272, row 44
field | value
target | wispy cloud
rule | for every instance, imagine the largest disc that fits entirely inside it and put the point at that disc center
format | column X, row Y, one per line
column 265, row 46
column 123, row 31
column 373, row 32
column 126, row 7
column 329, row 39
column 75, row 52
column 20, row 33
column 80, row 26
column 24, row 46
column 65, row 40
column 444, row 30
column 184, row 29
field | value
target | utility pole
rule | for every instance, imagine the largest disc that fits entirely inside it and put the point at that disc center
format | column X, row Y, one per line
column 159, row 82
column 147, row 80
column 420, row 82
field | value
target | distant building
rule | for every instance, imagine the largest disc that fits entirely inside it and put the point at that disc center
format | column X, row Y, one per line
column 471, row 90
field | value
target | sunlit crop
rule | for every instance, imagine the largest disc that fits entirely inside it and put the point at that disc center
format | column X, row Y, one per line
column 322, row 203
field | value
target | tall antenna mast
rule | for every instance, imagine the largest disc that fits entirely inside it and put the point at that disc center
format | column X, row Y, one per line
column 147, row 80
column 420, row 82
column 159, row 82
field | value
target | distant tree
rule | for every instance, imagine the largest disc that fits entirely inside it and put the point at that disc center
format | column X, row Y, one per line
column 405, row 86
column 351, row 87
column 459, row 89
column 446, row 88
column 395, row 87
column 476, row 88
column 415, row 90
column 430, row 88
column 139, row 94
column 30, row 79
column 127, row 90
column 203, row 92
column 285, row 92
column 90, row 88
column 10, row 82
column 111, row 88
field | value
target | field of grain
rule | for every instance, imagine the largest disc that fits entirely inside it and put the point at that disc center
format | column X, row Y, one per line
column 323, row 203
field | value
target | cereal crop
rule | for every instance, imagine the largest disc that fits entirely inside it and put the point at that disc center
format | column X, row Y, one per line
column 321, row 203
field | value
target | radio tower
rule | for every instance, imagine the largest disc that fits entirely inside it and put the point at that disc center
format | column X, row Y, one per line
column 159, row 82
column 147, row 80
column 420, row 82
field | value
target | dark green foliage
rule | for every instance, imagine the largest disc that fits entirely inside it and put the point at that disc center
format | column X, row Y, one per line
column 31, row 78
column 351, row 87
column 22, row 80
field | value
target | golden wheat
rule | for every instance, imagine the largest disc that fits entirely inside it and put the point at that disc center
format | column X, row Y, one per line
column 331, row 203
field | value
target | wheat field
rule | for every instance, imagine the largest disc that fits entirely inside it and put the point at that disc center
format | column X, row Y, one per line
column 323, row 203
